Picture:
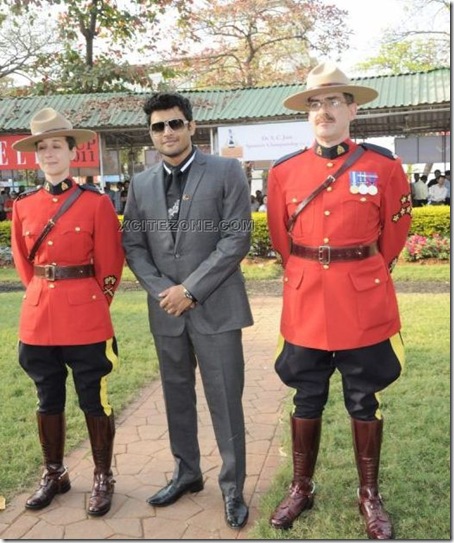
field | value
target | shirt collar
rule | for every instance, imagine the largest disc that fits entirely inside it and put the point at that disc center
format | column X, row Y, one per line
column 331, row 152
column 183, row 166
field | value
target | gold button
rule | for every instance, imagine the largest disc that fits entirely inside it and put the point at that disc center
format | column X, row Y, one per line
column 77, row 229
column 329, row 189
column 54, row 199
column 377, row 281
column 50, row 242
column 325, row 266
column 294, row 200
column 327, row 213
column 24, row 296
column 93, row 297
column 51, row 285
column 363, row 199
column 286, row 279
column 325, row 240
column 329, row 164
column 27, row 233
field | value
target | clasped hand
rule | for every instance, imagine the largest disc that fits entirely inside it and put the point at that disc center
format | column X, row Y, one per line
column 174, row 302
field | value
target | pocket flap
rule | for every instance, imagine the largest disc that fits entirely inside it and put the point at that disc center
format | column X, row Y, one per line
column 368, row 279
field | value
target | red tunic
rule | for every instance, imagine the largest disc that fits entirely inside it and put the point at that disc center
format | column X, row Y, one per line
column 342, row 305
column 69, row 311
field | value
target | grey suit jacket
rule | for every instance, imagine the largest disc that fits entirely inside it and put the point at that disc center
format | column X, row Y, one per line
column 213, row 238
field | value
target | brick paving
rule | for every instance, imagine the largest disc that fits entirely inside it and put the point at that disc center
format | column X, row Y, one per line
column 143, row 463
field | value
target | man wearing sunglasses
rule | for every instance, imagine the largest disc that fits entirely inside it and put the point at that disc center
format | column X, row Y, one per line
column 186, row 230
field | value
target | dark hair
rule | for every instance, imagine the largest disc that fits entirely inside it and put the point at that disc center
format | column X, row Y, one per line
column 70, row 140
column 167, row 100
column 349, row 98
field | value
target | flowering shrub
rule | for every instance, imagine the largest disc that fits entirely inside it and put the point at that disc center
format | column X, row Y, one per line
column 420, row 247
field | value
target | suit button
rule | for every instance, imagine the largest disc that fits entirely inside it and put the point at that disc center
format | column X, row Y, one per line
column 327, row 213
column 329, row 164
column 51, row 285
column 329, row 189
column 177, row 255
column 55, row 200
column 325, row 240
column 77, row 229
column 93, row 297
column 325, row 266
column 377, row 281
column 50, row 242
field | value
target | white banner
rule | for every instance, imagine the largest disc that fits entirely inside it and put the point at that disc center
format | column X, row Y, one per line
column 263, row 141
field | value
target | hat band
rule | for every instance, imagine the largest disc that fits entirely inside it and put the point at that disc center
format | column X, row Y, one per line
column 329, row 85
column 51, row 130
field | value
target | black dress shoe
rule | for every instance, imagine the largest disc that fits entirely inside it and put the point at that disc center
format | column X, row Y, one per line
column 236, row 512
column 173, row 491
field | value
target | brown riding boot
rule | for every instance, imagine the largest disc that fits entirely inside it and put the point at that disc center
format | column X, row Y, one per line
column 367, row 439
column 305, row 441
column 102, row 432
column 55, row 478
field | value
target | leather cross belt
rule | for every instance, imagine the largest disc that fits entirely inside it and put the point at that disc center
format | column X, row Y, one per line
column 326, row 254
column 51, row 272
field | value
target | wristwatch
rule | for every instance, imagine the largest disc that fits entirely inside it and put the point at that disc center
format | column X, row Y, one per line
column 188, row 295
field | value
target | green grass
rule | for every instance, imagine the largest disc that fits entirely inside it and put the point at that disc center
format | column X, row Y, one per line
column 415, row 474
column 20, row 450
column 415, row 468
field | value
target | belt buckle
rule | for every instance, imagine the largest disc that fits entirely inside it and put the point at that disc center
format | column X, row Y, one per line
column 324, row 254
column 50, row 272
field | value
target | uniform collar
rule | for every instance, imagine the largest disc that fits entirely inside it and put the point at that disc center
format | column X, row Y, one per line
column 62, row 187
column 331, row 152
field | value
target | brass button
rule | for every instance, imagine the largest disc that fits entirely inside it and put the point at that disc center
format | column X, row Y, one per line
column 377, row 281
column 327, row 213
column 51, row 285
column 24, row 297
column 285, row 279
column 54, row 199
column 325, row 266
column 50, row 242
column 93, row 297
column 325, row 240
column 27, row 233
column 329, row 189
column 363, row 199
column 294, row 200
column 77, row 229
column 329, row 164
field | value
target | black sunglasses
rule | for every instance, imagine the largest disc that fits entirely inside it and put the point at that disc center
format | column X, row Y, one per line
column 173, row 124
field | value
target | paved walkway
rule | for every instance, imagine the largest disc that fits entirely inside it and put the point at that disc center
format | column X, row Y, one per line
column 143, row 463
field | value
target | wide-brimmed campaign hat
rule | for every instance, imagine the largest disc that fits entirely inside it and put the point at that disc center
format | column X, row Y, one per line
column 48, row 123
column 327, row 77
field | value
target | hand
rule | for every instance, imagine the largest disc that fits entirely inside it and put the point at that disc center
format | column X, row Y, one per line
column 174, row 302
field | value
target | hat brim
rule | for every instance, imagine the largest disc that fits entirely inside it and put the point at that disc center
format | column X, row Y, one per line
column 362, row 95
column 29, row 144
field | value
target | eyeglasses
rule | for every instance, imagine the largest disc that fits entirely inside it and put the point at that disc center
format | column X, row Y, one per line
column 173, row 124
column 316, row 105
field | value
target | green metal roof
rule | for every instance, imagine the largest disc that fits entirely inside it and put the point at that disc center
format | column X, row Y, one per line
column 401, row 97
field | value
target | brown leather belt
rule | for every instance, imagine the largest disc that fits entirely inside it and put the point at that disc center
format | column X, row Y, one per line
column 51, row 272
column 326, row 254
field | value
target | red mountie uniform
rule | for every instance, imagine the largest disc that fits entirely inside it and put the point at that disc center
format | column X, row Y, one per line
column 67, row 311
column 349, row 304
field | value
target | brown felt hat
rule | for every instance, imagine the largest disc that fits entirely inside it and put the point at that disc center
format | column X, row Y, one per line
column 327, row 77
column 48, row 123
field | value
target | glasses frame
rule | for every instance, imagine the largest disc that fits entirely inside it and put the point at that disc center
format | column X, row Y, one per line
column 329, row 103
column 160, row 126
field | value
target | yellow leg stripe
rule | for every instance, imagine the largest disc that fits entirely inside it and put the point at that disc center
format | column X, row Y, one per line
column 397, row 345
column 113, row 358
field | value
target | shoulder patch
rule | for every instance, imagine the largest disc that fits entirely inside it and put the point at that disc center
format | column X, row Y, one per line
column 28, row 193
column 378, row 149
column 289, row 156
column 91, row 188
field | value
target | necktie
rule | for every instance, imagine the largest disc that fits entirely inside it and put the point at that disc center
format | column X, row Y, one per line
column 173, row 199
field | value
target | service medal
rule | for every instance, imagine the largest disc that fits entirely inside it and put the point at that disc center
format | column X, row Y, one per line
column 363, row 188
column 372, row 189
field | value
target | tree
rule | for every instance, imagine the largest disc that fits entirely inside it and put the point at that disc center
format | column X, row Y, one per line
column 245, row 43
column 420, row 44
column 117, row 26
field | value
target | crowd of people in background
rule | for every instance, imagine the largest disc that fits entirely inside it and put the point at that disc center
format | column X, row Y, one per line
column 258, row 202
column 435, row 191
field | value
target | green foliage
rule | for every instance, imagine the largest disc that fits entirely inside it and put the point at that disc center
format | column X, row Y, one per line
column 5, row 233
column 260, row 243
column 428, row 220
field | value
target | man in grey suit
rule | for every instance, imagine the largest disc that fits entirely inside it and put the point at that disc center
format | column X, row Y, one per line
column 187, row 227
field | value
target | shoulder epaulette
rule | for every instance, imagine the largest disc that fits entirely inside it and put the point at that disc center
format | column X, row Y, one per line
column 289, row 156
column 380, row 150
column 28, row 193
column 91, row 188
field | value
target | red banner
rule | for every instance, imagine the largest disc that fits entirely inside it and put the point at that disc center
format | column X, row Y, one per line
column 87, row 155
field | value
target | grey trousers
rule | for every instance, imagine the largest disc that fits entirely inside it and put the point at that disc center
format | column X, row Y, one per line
column 221, row 364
